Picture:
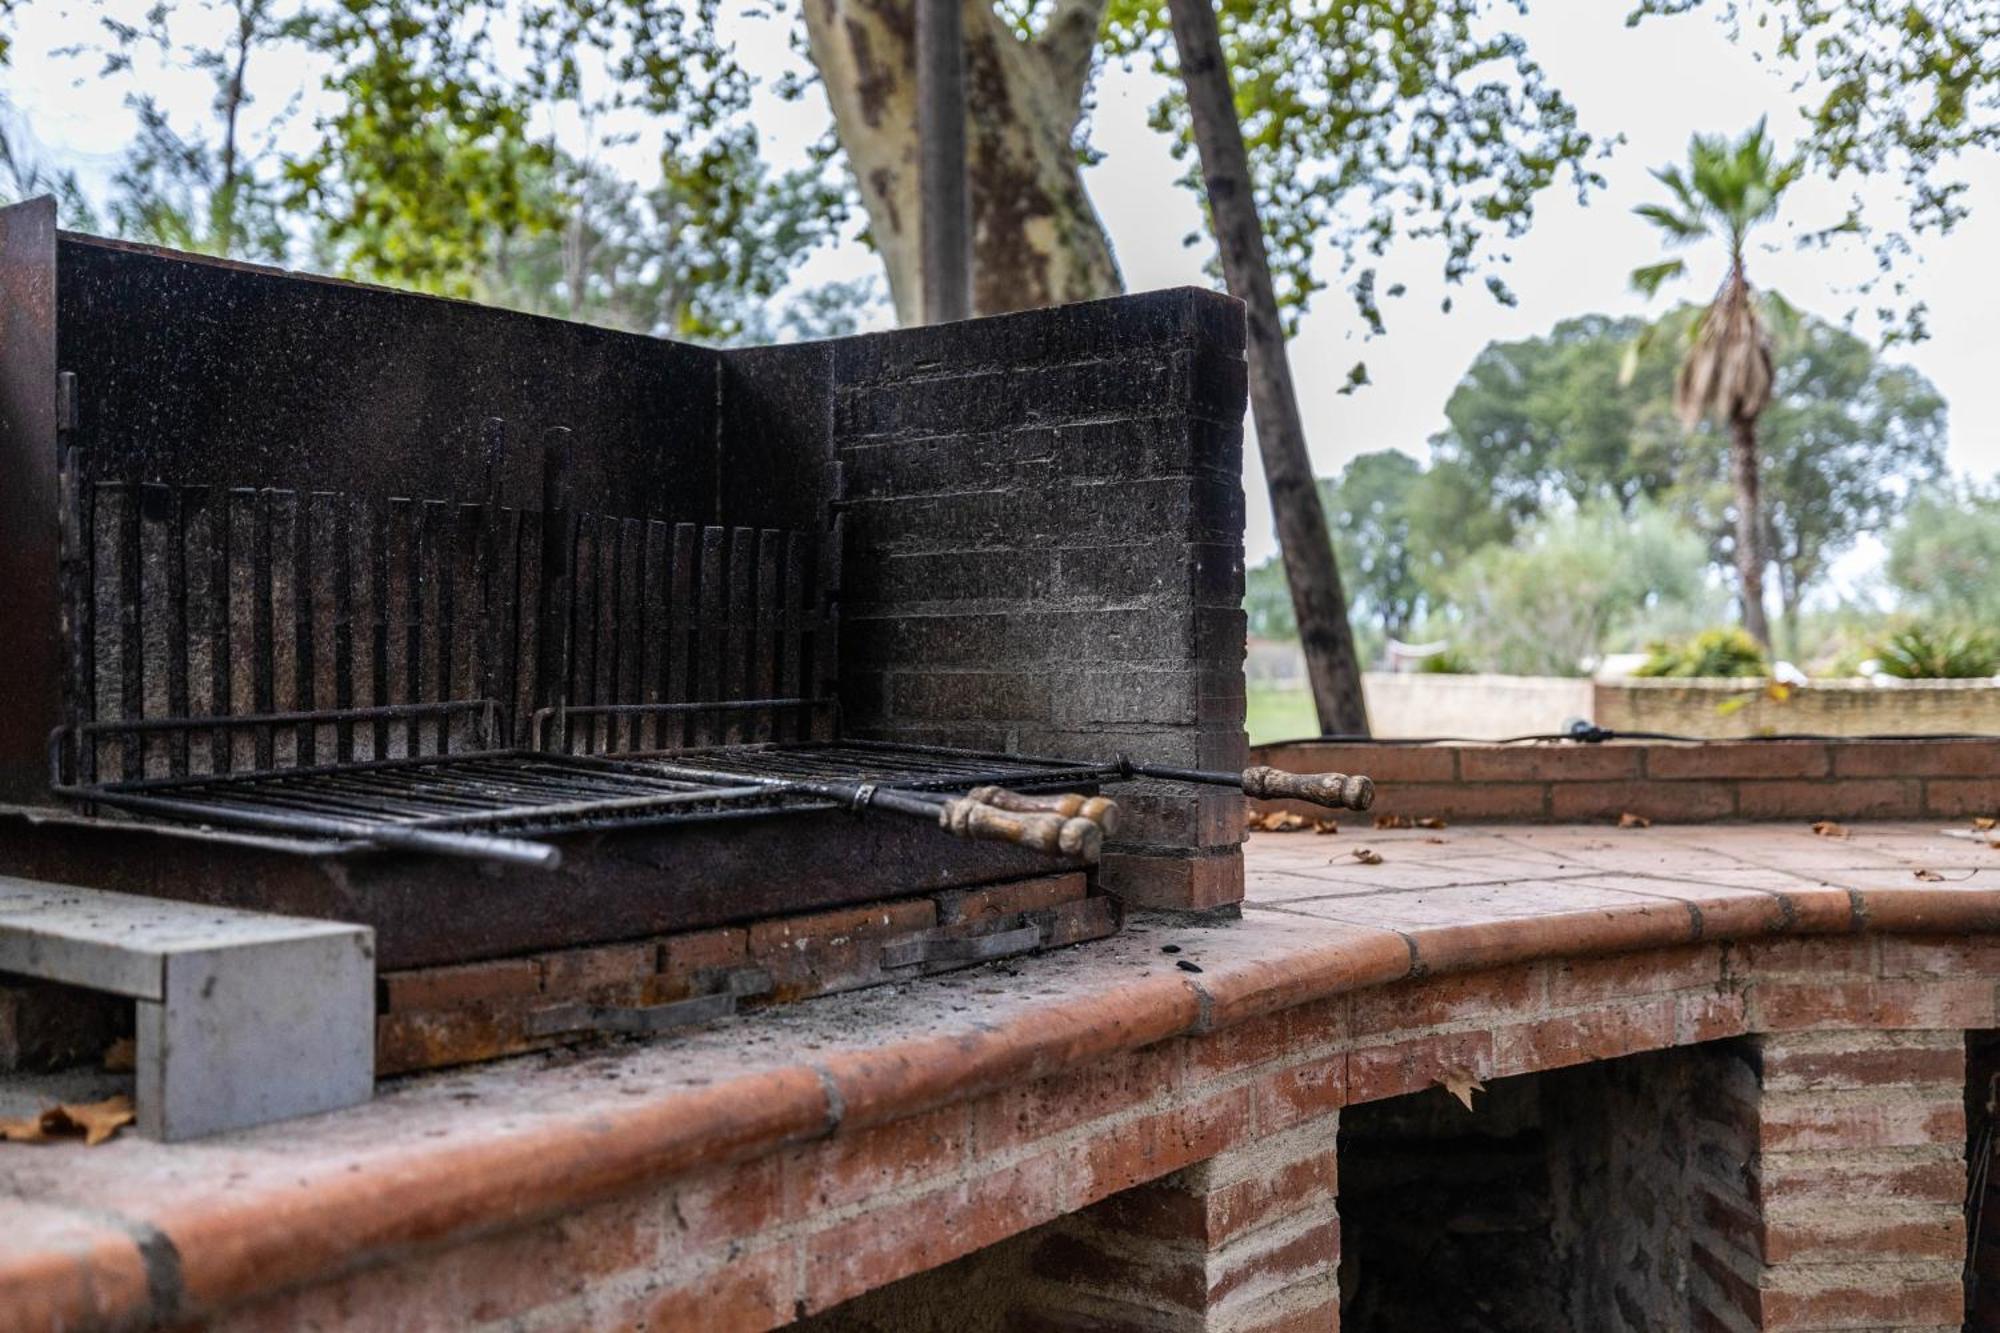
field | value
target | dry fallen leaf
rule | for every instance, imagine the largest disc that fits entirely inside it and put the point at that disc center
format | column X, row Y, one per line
column 1461, row 1083
column 1826, row 828
column 94, row 1122
column 1326, row 826
column 121, row 1056
column 1392, row 821
column 1930, row 875
column 1984, row 823
column 1367, row 856
column 1431, row 822
column 1439, row 841
column 1283, row 821
column 1630, row 820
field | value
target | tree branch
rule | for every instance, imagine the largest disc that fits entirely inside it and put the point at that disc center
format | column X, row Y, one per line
column 1067, row 44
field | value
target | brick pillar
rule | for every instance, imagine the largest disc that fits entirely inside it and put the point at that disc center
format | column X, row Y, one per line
column 1044, row 553
column 1245, row 1242
column 1830, row 1180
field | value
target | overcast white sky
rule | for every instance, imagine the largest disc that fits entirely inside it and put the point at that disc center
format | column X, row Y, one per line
column 1644, row 83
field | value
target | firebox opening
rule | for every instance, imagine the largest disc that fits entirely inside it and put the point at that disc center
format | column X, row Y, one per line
column 1569, row 1199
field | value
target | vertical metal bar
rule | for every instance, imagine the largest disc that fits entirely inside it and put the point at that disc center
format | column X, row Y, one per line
column 217, row 506
column 108, row 623
column 710, row 632
column 245, row 655
column 583, row 629
column 77, row 539
column 131, row 636
column 198, row 574
column 631, row 626
column 433, row 615
column 791, row 666
column 681, row 586
column 322, row 560
column 741, row 638
column 653, row 634
column 527, row 567
column 160, row 618
column 400, row 594
column 285, row 639
column 944, row 232
column 371, row 555
column 493, row 583
column 764, row 655
column 553, row 650
column 466, row 624
column 605, row 690
column 349, row 649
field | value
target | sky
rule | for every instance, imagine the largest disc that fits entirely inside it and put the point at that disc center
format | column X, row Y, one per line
column 1654, row 85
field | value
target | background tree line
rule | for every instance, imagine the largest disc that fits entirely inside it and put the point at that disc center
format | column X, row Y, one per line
column 1564, row 511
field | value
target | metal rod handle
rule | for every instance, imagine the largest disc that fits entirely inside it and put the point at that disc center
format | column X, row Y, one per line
column 1099, row 810
column 1338, row 791
column 1051, row 833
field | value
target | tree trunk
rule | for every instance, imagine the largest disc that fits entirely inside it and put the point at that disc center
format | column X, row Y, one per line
column 1036, row 239
column 1318, row 602
column 1749, row 531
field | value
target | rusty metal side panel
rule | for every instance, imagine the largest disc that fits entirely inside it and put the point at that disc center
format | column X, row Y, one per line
column 30, row 599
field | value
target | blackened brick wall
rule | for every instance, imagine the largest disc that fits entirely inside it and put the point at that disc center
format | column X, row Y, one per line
column 1044, row 553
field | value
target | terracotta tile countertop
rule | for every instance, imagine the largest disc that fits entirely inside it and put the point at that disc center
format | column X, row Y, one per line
column 445, row 1155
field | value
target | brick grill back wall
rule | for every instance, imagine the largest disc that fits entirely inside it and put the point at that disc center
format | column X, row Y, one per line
column 1044, row 552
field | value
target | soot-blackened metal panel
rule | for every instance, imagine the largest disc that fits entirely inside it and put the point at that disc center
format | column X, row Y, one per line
column 195, row 371
column 29, row 595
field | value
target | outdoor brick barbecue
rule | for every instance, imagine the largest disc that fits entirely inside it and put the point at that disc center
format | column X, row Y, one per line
column 1735, row 1073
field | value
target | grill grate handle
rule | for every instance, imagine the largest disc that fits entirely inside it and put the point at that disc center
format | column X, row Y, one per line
column 1338, row 791
column 1099, row 810
column 1045, row 832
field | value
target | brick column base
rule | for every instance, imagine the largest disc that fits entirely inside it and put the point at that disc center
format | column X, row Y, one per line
column 1245, row 1242
column 1830, row 1177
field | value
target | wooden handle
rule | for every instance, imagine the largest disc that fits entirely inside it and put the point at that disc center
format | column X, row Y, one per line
column 1058, row 835
column 1099, row 810
column 1336, row 790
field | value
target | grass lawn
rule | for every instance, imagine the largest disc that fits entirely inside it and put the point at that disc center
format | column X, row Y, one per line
column 1279, row 715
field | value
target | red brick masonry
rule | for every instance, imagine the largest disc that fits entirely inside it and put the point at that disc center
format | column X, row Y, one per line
column 1664, row 781
column 781, row 1163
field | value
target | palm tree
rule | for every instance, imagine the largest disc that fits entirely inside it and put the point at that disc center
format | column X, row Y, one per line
column 1726, row 189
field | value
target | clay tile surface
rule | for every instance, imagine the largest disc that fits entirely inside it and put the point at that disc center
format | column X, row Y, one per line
column 448, row 1154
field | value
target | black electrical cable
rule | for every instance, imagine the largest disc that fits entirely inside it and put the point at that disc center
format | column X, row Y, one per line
column 1588, row 733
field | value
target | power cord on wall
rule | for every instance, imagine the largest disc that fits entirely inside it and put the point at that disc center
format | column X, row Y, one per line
column 1584, row 732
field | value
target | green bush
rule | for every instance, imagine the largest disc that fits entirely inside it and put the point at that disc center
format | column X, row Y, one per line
column 1936, row 652
column 1713, row 652
column 1450, row 662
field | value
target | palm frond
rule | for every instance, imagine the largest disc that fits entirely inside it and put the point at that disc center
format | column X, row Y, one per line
column 1686, row 226
column 1648, row 279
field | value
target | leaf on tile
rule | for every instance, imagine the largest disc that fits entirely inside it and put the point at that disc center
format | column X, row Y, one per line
column 1439, row 841
column 26, row 1130
column 1826, row 828
column 1367, row 856
column 98, row 1121
column 1929, row 876
column 1984, row 823
column 1461, row 1083
column 1431, row 822
column 1326, row 826
column 121, row 1056
column 93, row 1122
column 1277, row 821
column 1630, row 820
column 1393, row 821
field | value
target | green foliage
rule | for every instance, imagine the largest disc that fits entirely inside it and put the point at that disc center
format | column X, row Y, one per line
column 1945, row 553
column 1369, row 510
column 1549, row 419
column 1449, row 662
column 1940, row 652
column 1909, row 89
column 1548, row 603
column 1713, row 652
column 1368, row 122
column 1726, row 189
column 1845, row 441
column 624, row 258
